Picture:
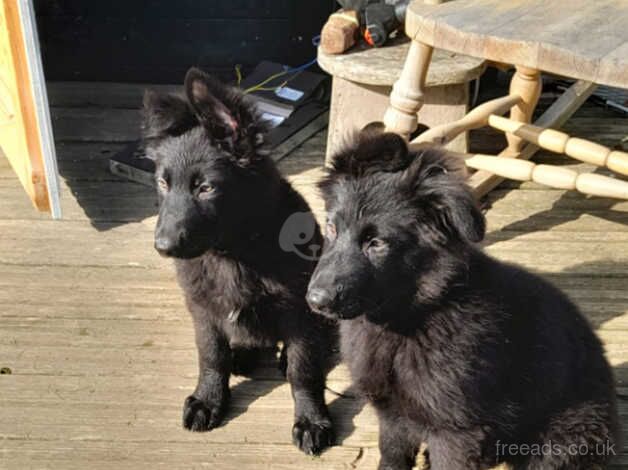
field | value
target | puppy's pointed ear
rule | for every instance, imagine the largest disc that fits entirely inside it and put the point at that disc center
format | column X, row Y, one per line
column 165, row 115
column 371, row 130
column 437, row 183
column 217, row 106
column 224, row 112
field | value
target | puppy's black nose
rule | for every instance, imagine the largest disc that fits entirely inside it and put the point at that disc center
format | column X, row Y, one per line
column 168, row 245
column 165, row 246
column 319, row 299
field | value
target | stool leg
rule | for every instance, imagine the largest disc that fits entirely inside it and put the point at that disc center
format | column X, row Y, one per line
column 407, row 95
column 446, row 104
column 527, row 84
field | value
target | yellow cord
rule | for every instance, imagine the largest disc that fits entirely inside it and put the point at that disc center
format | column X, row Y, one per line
column 238, row 72
column 261, row 84
column 259, row 88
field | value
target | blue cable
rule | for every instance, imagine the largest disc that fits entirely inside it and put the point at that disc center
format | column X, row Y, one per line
column 301, row 67
column 316, row 40
column 287, row 70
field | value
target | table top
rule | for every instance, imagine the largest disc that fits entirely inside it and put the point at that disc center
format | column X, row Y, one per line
column 381, row 66
column 583, row 39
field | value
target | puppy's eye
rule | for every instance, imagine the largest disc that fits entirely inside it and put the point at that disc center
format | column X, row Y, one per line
column 330, row 231
column 199, row 184
column 205, row 190
column 373, row 246
column 162, row 184
column 436, row 170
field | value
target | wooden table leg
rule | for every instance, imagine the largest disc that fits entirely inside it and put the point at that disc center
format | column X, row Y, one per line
column 527, row 84
column 555, row 116
column 550, row 175
column 407, row 95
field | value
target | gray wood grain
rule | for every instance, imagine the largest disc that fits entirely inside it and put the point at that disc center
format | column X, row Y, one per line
column 92, row 319
column 576, row 38
column 382, row 65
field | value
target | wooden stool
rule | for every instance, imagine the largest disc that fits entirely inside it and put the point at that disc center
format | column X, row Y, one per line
column 363, row 79
column 581, row 39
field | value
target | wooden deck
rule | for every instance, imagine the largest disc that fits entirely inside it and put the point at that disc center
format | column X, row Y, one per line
column 100, row 346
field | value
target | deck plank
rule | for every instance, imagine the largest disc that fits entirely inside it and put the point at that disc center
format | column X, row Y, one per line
column 101, row 349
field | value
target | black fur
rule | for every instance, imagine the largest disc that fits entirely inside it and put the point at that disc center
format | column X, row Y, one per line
column 452, row 347
column 223, row 206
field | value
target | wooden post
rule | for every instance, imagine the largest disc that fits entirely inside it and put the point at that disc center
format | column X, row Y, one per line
column 407, row 95
column 526, row 83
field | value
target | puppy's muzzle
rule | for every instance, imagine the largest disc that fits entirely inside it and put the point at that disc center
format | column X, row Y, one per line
column 170, row 245
column 320, row 299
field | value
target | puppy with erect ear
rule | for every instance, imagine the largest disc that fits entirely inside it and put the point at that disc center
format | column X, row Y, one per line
column 452, row 348
column 244, row 244
column 231, row 122
column 165, row 116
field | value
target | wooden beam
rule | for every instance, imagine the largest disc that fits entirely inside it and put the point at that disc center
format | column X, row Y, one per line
column 556, row 115
column 478, row 117
column 549, row 175
column 560, row 142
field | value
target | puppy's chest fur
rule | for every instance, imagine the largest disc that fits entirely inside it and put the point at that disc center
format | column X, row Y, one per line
column 246, row 304
column 411, row 375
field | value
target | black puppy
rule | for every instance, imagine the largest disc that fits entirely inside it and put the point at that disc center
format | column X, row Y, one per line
column 481, row 360
column 234, row 226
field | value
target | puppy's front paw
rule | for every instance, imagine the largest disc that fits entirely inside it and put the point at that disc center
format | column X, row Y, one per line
column 202, row 416
column 312, row 438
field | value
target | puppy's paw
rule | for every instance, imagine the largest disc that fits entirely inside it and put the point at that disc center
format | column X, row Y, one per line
column 312, row 438
column 202, row 416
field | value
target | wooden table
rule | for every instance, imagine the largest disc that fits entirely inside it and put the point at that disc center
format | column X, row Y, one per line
column 579, row 39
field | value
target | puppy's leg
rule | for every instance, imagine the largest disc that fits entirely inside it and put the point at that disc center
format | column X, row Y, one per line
column 312, row 431
column 455, row 451
column 206, row 407
column 397, row 449
column 584, row 437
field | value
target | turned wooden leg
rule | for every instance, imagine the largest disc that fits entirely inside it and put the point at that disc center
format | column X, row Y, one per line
column 482, row 181
column 526, row 83
column 407, row 95
column 549, row 175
